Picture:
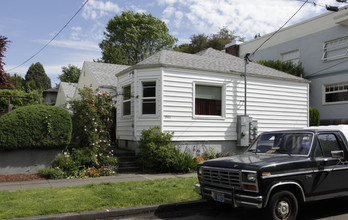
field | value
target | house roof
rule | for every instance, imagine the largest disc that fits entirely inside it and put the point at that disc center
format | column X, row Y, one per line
column 68, row 89
column 211, row 60
column 104, row 73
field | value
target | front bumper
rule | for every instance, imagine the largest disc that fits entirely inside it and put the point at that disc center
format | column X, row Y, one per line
column 237, row 199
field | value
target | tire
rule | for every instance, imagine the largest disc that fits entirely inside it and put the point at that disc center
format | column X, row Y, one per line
column 282, row 205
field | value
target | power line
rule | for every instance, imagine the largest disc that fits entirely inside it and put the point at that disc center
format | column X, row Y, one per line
column 51, row 39
column 279, row 29
column 314, row 3
column 326, row 68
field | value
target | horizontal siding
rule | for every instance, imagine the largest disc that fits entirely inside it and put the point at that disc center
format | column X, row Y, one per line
column 124, row 130
column 146, row 121
column 275, row 104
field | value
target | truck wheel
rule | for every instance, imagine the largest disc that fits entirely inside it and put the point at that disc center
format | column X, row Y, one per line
column 283, row 205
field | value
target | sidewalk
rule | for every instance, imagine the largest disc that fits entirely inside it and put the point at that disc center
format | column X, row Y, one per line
column 76, row 182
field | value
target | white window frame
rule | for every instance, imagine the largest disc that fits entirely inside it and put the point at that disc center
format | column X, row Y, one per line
column 148, row 98
column 334, row 88
column 223, row 101
column 295, row 59
column 127, row 100
column 336, row 44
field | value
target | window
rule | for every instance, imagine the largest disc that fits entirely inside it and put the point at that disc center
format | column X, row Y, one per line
column 336, row 93
column 328, row 143
column 292, row 56
column 335, row 49
column 208, row 100
column 149, row 98
column 127, row 100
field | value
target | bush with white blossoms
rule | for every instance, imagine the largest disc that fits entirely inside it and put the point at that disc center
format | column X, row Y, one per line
column 91, row 121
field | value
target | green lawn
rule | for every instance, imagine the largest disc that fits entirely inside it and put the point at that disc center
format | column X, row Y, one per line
column 34, row 202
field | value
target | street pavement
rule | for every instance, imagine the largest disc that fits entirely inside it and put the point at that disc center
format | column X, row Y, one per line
column 100, row 214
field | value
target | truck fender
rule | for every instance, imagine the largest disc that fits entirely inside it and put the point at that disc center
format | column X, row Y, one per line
column 282, row 184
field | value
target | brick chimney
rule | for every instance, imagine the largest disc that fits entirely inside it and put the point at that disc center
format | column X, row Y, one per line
column 232, row 48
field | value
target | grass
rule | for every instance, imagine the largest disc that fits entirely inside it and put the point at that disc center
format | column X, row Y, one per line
column 35, row 202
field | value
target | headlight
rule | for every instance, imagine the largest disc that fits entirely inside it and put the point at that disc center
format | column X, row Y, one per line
column 249, row 181
column 251, row 177
column 200, row 170
column 248, row 177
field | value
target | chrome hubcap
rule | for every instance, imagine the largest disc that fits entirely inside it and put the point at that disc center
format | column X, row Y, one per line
column 283, row 208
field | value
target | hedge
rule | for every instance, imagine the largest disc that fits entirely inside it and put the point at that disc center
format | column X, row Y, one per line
column 35, row 127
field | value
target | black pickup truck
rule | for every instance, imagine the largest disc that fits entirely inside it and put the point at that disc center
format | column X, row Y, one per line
column 280, row 170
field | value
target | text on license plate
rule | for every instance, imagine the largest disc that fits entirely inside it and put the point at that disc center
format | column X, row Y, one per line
column 218, row 196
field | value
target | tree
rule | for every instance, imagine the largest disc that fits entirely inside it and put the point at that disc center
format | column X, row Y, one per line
column 288, row 67
column 4, row 78
column 132, row 37
column 17, row 81
column 201, row 41
column 36, row 74
column 70, row 74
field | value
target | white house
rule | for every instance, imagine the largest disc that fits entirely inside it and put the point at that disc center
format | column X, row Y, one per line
column 100, row 76
column 198, row 97
column 321, row 45
column 65, row 94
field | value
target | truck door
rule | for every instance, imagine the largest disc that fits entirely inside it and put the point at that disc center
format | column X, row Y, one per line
column 331, row 174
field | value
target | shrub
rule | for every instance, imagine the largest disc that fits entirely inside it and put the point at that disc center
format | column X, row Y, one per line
column 32, row 98
column 88, row 155
column 52, row 173
column 183, row 162
column 159, row 155
column 36, row 126
column 314, row 117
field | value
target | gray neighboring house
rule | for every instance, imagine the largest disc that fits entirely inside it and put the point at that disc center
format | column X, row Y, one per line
column 66, row 92
column 50, row 96
column 98, row 76
column 198, row 97
column 321, row 45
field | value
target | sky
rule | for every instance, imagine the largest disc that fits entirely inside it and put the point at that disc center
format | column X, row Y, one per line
column 31, row 24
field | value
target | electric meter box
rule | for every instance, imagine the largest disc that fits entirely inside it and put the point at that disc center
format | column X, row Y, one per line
column 243, row 130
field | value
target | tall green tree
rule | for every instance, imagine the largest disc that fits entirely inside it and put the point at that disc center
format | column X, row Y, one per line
column 70, row 74
column 36, row 75
column 132, row 37
column 4, row 77
column 288, row 67
column 201, row 41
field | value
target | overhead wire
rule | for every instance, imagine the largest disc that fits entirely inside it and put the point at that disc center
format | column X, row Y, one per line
column 326, row 68
column 54, row 37
column 279, row 28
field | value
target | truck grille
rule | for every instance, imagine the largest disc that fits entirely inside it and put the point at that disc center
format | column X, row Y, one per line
column 225, row 178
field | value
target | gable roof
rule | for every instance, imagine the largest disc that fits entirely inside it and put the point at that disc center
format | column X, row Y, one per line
column 211, row 60
column 68, row 89
column 104, row 73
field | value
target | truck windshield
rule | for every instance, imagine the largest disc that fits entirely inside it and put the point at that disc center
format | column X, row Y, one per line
column 283, row 143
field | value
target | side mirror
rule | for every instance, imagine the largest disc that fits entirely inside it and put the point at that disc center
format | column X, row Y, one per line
column 337, row 154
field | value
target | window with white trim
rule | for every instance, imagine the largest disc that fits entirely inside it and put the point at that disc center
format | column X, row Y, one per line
column 335, row 49
column 291, row 56
column 208, row 100
column 126, row 100
column 149, row 98
column 336, row 93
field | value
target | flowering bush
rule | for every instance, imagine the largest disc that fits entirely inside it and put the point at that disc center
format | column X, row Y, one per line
column 89, row 154
column 210, row 154
column 102, row 171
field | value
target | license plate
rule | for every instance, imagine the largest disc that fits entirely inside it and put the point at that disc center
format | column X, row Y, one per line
column 218, row 196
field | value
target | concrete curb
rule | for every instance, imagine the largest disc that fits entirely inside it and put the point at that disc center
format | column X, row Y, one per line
column 162, row 209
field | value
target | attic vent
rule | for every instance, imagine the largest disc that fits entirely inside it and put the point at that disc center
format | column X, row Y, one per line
column 131, row 73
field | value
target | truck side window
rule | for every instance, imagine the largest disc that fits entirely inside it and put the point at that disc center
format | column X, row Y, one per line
column 318, row 152
column 328, row 143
